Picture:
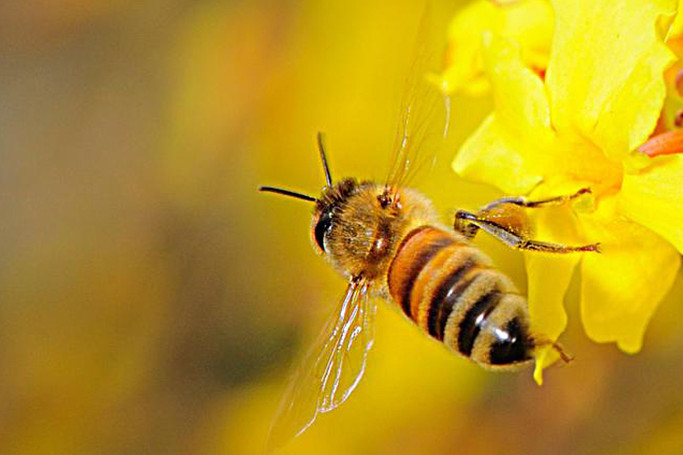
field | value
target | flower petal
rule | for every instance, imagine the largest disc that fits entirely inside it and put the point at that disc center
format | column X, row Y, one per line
column 621, row 288
column 549, row 276
column 677, row 26
column 516, row 147
column 546, row 301
column 496, row 153
column 490, row 156
column 605, row 72
column 654, row 198
column 527, row 22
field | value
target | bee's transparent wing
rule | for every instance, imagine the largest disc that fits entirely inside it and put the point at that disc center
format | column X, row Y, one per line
column 419, row 133
column 331, row 369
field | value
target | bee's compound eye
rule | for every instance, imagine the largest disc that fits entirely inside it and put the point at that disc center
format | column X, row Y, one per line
column 324, row 224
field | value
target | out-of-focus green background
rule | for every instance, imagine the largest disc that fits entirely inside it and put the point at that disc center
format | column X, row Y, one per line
column 152, row 302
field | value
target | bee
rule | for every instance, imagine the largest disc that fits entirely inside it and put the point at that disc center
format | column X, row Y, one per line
column 388, row 241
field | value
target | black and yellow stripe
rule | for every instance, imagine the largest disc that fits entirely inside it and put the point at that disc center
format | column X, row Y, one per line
column 448, row 288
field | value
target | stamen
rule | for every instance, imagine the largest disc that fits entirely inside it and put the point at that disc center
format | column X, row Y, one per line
column 668, row 143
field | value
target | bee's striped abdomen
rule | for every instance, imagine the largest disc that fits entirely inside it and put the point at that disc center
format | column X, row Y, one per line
column 416, row 251
column 450, row 290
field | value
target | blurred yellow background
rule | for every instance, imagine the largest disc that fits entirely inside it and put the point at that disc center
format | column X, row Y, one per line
column 152, row 301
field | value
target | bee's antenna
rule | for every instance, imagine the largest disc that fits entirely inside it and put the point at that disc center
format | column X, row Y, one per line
column 321, row 147
column 271, row 189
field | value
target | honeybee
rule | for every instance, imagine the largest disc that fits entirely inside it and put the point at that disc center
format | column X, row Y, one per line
column 388, row 242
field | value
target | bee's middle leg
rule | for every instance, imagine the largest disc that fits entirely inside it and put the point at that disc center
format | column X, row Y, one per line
column 524, row 202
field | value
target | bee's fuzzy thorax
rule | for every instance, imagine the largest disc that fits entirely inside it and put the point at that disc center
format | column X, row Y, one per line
column 359, row 231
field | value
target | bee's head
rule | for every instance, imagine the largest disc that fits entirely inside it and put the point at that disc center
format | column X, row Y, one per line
column 354, row 223
column 328, row 206
column 332, row 201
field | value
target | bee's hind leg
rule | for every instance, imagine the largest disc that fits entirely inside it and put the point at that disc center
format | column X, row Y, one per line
column 506, row 219
column 469, row 224
column 464, row 225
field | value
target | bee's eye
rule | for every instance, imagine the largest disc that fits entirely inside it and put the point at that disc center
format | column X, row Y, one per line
column 324, row 224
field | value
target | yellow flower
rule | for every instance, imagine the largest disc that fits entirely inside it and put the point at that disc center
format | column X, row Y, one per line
column 582, row 126
column 526, row 22
column 677, row 26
